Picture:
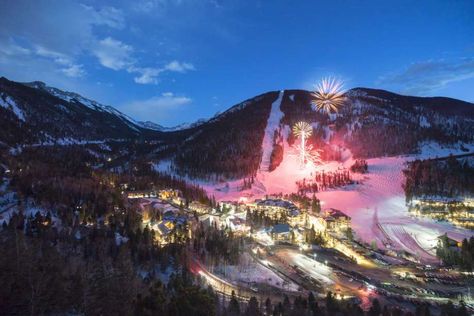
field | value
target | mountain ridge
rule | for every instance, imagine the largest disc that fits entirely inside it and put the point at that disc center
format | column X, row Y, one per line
column 371, row 123
column 68, row 96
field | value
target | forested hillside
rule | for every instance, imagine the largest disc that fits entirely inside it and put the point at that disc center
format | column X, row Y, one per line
column 228, row 145
column 32, row 114
column 446, row 178
column 371, row 123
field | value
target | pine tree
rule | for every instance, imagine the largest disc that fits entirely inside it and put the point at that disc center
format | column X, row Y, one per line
column 234, row 308
column 252, row 308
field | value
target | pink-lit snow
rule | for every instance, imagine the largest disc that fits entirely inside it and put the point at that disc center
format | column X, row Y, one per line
column 376, row 205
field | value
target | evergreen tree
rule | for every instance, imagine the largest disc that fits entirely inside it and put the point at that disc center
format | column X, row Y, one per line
column 252, row 308
column 234, row 307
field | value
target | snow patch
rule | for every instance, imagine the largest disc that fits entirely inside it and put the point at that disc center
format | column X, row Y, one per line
column 8, row 103
column 273, row 123
column 434, row 149
column 119, row 239
column 248, row 271
column 424, row 122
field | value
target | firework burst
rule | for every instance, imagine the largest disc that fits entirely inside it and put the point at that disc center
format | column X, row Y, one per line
column 306, row 153
column 329, row 95
column 302, row 129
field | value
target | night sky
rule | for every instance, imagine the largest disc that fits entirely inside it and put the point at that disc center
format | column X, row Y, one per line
column 178, row 61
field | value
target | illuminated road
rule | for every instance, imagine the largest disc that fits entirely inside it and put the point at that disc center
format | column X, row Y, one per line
column 347, row 279
column 342, row 277
column 318, row 277
column 218, row 284
column 244, row 293
column 318, row 271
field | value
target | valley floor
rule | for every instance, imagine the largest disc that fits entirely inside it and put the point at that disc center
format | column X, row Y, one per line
column 376, row 205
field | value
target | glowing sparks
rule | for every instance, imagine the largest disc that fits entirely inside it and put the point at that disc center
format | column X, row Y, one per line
column 302, row 129
column 309, row 155
column 329, row 95
column 306, row 152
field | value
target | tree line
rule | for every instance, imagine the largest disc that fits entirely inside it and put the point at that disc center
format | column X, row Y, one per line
column 452, row 178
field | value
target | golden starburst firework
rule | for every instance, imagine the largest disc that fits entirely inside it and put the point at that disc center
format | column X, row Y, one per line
column 329, row 95
column 302, row 129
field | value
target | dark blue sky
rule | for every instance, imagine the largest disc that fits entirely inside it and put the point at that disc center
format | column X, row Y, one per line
column 174, row 61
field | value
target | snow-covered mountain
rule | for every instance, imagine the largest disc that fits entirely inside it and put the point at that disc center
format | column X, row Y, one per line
column 48, row 114
column 33, row 113
column 372, row 123
column 233, row 144
column 94, row 105
column 158, row 127
column 247, row 151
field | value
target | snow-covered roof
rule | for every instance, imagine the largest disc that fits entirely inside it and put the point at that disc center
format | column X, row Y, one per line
column 336, row 214
column 276, row 202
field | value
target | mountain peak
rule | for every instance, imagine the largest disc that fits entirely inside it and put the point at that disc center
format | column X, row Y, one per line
column 94, row 105
column 36, row 84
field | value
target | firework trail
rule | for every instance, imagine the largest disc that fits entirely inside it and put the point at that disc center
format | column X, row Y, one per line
column 310, row 155
column 306, row 153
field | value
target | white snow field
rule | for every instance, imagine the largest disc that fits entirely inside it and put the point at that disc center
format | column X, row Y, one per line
column 249, row 271
column 378, row 211
column 376, row 205
column 273, row 123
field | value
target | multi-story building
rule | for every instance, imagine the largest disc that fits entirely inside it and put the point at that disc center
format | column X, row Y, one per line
column 335, row 220
column 281, row 232
column 199, row 207
column 141, row 194
column 168, row 194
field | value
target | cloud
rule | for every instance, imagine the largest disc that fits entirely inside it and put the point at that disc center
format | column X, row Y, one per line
column 58, row 33
column 179, row 67
column 55, row 33
column 109, row 16
column 11, row 52
column 157, row 107
column 426, row 77
column 146, row 75
column 147, row 6
column 114, row 54
column 66, row 63
column 59, row 58
column 10, row 48
column 64, row 26
column 74, row 71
